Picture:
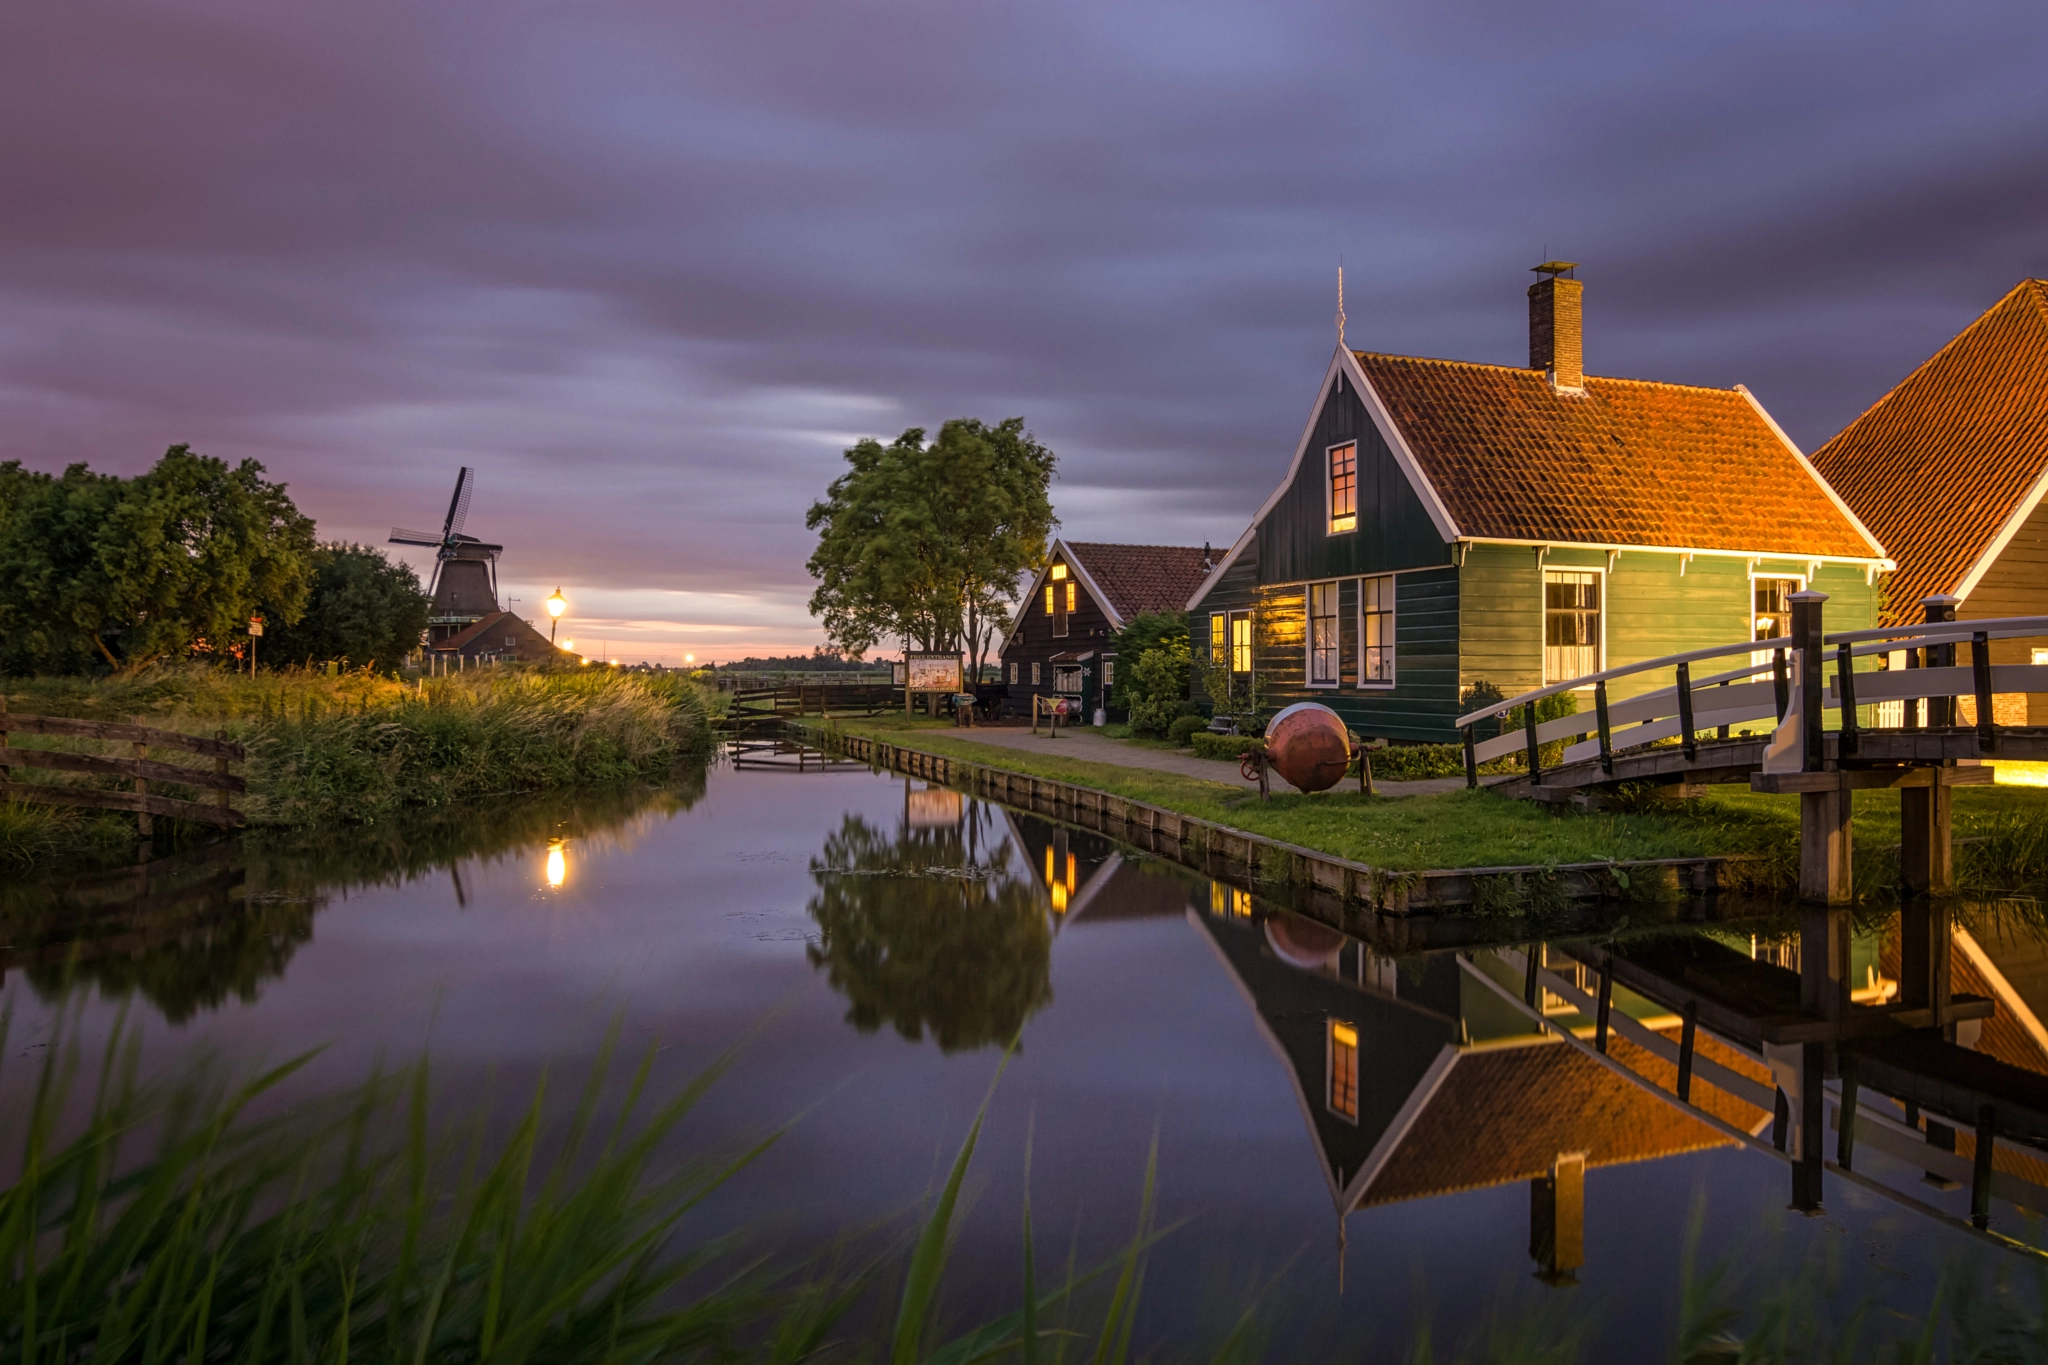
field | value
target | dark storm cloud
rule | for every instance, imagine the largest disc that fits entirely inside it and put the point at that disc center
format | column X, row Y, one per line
column 649, row 266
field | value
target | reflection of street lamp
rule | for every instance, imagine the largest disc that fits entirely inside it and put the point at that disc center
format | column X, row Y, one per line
column 558, row 865
column 556, row 606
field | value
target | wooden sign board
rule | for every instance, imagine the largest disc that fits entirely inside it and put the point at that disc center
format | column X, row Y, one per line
column 932, row 672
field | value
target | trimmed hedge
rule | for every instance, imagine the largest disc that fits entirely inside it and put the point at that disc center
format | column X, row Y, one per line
column 1185, row 728
column 1222, row 746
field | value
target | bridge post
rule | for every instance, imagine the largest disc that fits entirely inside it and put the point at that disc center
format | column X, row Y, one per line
column 1926, row 865
column 1824, row 840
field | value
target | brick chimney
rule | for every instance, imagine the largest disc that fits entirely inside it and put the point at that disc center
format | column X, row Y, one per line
column 1556, row 340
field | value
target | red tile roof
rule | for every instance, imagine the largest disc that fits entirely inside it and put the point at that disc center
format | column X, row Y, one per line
column 1139, row 578
column 1939, row 464
column 1626, row 462
column 1505, row 1114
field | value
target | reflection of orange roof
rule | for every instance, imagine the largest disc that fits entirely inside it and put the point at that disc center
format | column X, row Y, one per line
column 1504, row 1114
column 1626, row 462
column 1937, row 466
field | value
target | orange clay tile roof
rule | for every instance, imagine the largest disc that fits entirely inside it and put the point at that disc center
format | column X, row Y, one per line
column 1505, row 1114
column 1627, row 462
column 1139, row 578
column 1937, row 465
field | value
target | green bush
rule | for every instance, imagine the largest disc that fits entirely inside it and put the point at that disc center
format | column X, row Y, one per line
column 1185, row 728
column 1155, row 688
column 1414, row 762
column 1222, row 746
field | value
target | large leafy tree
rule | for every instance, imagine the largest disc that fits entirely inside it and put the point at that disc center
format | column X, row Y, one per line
column 924, row 543
column 364, row 610
column 126, row 570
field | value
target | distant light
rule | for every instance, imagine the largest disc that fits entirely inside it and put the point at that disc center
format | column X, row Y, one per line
column 569, row 645
column 689, row 658
column 558, row 865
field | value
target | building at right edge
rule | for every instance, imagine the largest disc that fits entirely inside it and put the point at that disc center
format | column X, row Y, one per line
column 1445, row 524
column 1949, row 470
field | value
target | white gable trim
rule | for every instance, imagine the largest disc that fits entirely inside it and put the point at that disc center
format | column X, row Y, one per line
column 1060, row 550
column 1343, row 362
column 1999, row 542
column 1812, row 473
column 1397, row 1131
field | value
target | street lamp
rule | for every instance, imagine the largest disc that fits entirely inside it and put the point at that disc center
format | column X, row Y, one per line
column 557, row 604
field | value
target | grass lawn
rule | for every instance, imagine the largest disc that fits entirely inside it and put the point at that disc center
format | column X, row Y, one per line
column 1449, row 829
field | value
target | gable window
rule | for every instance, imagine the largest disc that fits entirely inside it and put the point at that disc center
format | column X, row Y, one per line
column 1059, row 600
column 1323, row 649
column 1240, row 642
column 1571, row 624
column 1343, row 1067
column 1344, row 487
column 1376, row 631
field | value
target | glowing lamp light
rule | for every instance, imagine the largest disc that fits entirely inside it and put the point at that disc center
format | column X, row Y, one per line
column 558, row 865
column 557, row 604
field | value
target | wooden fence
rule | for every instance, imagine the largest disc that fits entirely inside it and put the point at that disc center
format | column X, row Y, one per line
column 138, row 768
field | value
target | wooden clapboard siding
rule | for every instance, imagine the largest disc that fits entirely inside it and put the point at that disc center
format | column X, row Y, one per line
column 1394, row 531
column 1500, row 618
column 2017, row 585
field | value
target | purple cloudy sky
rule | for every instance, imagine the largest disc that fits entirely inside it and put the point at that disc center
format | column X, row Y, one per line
column 651, row 266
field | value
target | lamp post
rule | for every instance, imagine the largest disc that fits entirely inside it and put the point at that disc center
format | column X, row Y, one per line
column 557, row 604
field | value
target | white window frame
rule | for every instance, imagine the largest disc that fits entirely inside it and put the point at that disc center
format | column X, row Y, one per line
column 1365, row 679
column 1759, row 657
column 1108, row 671
column 1330, row 526
column 1251, row 645
column 1013, row 675
column 1308, row 641
column 1543, row 617
column 1034, row 675
column 1219, row 639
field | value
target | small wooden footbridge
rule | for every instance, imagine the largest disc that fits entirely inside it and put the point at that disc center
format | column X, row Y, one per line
column 1941, row 722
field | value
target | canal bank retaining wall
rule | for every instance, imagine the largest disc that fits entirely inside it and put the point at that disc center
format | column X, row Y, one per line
column 1219, row 849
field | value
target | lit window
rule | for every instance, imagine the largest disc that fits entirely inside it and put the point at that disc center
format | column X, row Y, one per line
column 1240, row 643
column 1344, row 488
column 1073, row 595
column 1048, row 599
column 1571, row 625
column 2040, row 657
column 1323, row 649
column 1772, row 618
column 1013, row 673
column 1109, row 673
column 1059, row 571
column 1225, row 900
column 1219, row 635
column 1343, row 1070
column 1376, row 630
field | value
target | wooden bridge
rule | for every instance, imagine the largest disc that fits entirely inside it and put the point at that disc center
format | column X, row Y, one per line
column 137, row 769
column 1686, row 736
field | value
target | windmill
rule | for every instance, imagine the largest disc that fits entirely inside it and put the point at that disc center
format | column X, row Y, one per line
column 465, row 582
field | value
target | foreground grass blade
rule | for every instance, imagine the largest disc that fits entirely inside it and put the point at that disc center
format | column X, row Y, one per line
column 928, row 1262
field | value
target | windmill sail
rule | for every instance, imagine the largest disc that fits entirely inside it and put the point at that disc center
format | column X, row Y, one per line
column 464, row 583
column 458, row 506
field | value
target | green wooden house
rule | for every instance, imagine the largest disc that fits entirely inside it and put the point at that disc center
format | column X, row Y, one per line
column 1445, row 524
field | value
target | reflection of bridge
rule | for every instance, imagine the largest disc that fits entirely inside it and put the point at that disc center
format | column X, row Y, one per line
column 1686, row 735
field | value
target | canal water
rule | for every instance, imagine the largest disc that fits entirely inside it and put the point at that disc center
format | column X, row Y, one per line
column 865, row 946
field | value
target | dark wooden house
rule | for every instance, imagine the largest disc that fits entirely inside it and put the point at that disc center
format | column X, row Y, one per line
column 498, row 636
column 1063, row 642
column 1950, row 471
column 1445, row 523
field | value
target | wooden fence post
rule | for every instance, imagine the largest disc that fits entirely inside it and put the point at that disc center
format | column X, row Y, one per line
column 144, row 826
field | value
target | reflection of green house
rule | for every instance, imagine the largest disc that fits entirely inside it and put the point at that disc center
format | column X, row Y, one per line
column 1444, row 523
column 1087, row 877
column 1416, row 1079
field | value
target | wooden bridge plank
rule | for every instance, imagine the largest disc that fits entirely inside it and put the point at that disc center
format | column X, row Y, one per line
column 60, row 761
column 65, row 727
column 50, row 794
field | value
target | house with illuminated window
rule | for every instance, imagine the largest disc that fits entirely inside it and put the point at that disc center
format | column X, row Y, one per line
column 1950, row 470
column 1063, row 641
column 1446, row 523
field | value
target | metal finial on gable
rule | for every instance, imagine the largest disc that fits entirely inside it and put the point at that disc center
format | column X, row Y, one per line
column 1340, row 305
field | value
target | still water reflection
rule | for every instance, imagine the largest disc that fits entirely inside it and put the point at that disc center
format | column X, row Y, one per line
column 1378, row 1136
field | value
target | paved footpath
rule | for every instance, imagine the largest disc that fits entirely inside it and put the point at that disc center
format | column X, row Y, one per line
column 1085, row 745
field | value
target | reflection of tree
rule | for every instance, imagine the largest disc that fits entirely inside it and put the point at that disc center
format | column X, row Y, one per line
column 919, row 935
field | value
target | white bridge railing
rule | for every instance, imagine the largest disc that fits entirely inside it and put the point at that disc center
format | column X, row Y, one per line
column 1787, row 682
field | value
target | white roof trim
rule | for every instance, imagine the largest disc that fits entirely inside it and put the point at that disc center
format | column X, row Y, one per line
column 1999, row 542
column 1814, row 474
column 1342, row 362
column 1397, row 1131
column 1802, row 556
column 1058, row 550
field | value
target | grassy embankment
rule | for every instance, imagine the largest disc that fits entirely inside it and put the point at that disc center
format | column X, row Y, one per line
column 1477, row 829
column 362, row 749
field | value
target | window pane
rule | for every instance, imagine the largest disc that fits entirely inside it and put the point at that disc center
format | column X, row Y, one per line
column 1571, row 625
column 1218, row 634
column 1241, row 644
column 1376, row 629
column 1048, row 599
column 1322, row 626
column 1343, row 1041
column 1344, row 488
column 1773, row 620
